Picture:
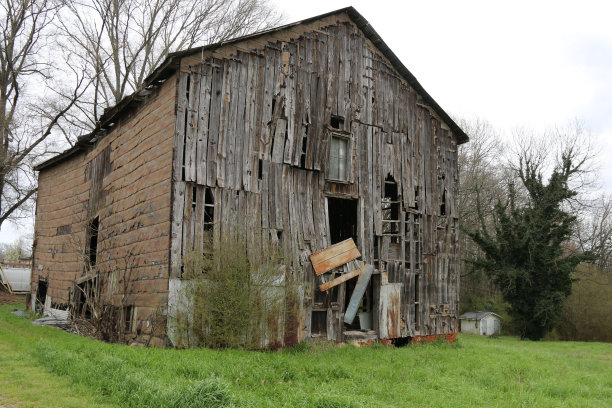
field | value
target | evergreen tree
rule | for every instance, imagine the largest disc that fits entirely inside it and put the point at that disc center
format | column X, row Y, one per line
column 526, row 255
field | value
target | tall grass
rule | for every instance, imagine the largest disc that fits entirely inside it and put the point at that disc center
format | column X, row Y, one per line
column 476, row 372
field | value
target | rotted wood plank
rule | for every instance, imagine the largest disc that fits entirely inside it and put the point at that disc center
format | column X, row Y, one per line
column 334, row 256
column 265, row 138
column 249, row 124
column 213, row 124
column 241, row 135
column 290, row 92
column 179, row 128
column 236, row 95
column 224, row 123
column 203, row 117
column 191, row 130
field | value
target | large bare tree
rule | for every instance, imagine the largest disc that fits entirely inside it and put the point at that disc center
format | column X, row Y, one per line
column 481, row 185
column 32, row 102
column 122, row 41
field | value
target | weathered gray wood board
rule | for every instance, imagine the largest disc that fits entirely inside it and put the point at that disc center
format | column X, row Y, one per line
column 255, row 130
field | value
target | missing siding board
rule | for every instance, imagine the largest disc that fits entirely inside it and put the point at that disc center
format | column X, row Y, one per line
column 391, row 208
column 209, row 210
column 304, row 148
column 98, row 168
column 443, row 204
column 64, row 230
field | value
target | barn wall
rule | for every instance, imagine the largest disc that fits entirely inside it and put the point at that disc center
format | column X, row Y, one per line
column 253, row 129
column 62, row 190
column 124, row 180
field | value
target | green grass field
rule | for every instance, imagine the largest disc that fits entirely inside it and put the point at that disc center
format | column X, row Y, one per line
column 46, row 367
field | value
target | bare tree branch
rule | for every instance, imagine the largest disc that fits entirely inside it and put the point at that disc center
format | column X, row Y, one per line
column 122, row 41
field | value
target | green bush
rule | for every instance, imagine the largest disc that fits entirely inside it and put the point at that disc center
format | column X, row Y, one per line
column 239, row 292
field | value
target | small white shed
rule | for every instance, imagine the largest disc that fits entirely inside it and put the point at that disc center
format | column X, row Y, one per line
column 483, row 323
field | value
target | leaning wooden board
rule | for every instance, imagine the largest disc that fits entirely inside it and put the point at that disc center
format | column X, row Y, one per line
column 341, row 279
column 334, row 256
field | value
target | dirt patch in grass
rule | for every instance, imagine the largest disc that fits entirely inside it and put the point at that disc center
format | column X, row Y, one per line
column 8, row 299
column 4, row 405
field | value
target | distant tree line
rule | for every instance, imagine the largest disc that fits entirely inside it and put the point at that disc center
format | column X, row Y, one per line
column 17, row 251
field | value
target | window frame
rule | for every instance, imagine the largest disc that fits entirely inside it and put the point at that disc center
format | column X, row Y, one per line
column 347, row 137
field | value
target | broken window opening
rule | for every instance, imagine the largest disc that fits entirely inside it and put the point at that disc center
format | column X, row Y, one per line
column 339, row 163
column 337, row 122
column 304, row 143
column 209, row 209
column 209, row 220
column 92, row 239
column 391, row 209
column 376, row 255
column 342, row 219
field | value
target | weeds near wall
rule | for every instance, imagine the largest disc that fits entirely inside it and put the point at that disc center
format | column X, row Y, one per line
column 238, row 293
column 99, row 300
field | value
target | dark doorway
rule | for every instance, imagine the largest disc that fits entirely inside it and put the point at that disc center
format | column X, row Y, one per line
column 41, row 295
column 342, row 219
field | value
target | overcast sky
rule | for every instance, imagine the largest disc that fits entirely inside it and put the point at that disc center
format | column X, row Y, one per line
column 533, row 64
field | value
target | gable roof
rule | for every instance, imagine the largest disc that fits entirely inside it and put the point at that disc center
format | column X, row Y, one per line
column 172, row 62
column 477, row 315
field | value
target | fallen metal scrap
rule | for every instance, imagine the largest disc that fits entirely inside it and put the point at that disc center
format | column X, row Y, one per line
column 52, row 321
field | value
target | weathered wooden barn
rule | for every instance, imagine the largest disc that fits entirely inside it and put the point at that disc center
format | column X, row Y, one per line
column 315, row 130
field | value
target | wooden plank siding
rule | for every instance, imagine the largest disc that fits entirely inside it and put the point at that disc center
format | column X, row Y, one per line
column 254, row 126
